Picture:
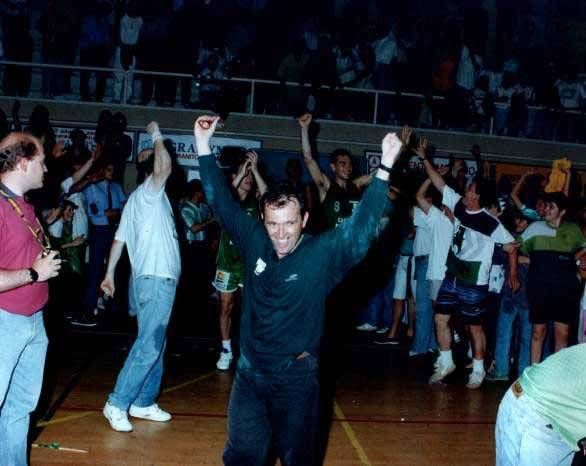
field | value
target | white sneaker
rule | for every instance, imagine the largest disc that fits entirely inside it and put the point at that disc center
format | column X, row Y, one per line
column 366, row 327
column 225, row 359
column 118, row 419
column 475, row 379
column 440, row 372
column 150, row 413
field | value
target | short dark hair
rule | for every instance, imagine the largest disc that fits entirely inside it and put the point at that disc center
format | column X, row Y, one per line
column 559, row 199
column 278, row 196
column 487, row 192
column 194, row 186
column 338, row 153
column 17, row 146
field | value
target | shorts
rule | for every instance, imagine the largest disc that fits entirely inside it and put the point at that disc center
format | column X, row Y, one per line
column 405, row 264
column 551, row 303
column 227, row 281
column 469, row 301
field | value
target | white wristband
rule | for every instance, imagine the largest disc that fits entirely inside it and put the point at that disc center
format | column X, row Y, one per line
column 156, row 136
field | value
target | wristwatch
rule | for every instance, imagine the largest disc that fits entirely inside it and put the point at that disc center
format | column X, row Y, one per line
column 385, row 168
column 33, row 275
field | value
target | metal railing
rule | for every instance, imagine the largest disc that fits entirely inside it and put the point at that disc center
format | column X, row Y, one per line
column 262, row 96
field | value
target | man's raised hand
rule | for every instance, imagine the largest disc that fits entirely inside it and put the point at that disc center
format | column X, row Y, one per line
column 204, row 128
column 152, row 127
column 391, row 147
column 421, row 150
column 305, row 120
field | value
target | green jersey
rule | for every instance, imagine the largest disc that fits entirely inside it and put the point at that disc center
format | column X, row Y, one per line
column 228, row 254
column 339, row 203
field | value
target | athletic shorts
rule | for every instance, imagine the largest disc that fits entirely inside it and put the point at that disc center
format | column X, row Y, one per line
column 405, row 265
column 227, row 281
column 469, row 301
column 551, row 303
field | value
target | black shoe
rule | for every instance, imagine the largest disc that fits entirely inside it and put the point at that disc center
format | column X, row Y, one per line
column 84, row 321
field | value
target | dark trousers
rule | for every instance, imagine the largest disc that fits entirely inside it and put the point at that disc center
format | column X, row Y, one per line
column 279, row 405
column 97, row 56
column 100, row 241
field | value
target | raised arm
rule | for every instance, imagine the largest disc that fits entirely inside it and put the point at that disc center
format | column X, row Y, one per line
column 516, row 192
column 353, row 236
column 162, row 165
column 230, row 215
column 77, row 176
column 362, row 181
column 422, row 201
column 252, row 157
column 321, row 181
column 432, row 173
column 568, row 181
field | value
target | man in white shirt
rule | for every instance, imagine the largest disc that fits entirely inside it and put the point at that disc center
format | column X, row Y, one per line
column 148, row 231
column 464, row 290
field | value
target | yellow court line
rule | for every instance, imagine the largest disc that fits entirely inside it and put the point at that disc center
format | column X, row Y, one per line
column 65, row 419
column 189, row 382
column 351, row 436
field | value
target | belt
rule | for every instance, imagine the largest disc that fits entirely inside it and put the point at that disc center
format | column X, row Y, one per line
column 517, row 389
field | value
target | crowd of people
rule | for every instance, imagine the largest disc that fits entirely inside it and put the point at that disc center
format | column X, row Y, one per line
column 442, row 55
column 486, row 273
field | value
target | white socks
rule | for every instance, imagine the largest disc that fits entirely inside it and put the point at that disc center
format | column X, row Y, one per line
column 227, row 345
column 445, row 358
column 478, row 365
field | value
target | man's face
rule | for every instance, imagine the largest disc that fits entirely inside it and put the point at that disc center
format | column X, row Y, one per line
column 109, row 172
column 342, row 167
column 471, row 197
column 35, row 169
column 521, row 225
column 284, row 226
column 552, row 212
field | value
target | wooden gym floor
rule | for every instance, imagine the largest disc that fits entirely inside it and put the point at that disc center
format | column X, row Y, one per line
column 384, row 413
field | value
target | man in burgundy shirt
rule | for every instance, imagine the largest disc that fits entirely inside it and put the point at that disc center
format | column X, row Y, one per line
column 26, row 264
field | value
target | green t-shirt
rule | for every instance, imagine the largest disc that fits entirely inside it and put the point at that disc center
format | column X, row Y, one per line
column 228, row 254
column 541, row 237
column 556, row 389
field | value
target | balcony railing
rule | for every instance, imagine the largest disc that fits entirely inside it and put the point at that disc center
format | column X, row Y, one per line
column 261, row 96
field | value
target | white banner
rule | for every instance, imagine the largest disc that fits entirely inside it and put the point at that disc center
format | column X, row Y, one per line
column 415, row 164
column 184, row 145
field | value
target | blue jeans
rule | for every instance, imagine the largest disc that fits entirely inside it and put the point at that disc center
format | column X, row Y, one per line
column 22, row 360
column 424, row 338
column 510, row 309
column 100, row 241
column 523, row 438
column 281, row 404
column 139, row 380
column 378, row 311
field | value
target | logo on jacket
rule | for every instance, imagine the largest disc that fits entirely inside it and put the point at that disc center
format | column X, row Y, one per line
column 260, row 266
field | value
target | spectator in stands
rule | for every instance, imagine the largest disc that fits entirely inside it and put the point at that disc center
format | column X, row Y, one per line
column 210, row 81
column 129, row 36
column 292, row 69
column 95, row 49
column 469, row 69
column 386, row 53
column 482, row 107
column 572, row 95
column 18, row 46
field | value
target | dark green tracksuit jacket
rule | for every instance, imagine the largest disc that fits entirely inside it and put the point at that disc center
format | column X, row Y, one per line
column 284, row 299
